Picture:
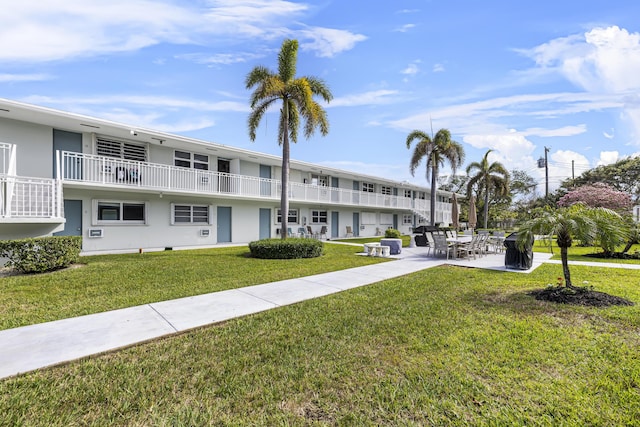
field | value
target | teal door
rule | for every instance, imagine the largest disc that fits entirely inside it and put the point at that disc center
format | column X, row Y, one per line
column 335, row 225
column 395, row 221
column 73, row 215
column 67, row 141
column 265, row 223
column 265, row 186
column 224, row 224
column 356, row 224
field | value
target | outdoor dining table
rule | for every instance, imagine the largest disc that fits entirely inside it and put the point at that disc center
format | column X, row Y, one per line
column 456, row 241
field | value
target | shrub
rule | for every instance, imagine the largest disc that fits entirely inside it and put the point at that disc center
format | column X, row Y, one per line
column 290, row 248
column 392, row 233
column 41, row 254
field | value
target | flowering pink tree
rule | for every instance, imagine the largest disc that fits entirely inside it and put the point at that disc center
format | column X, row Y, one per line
column 597, row 195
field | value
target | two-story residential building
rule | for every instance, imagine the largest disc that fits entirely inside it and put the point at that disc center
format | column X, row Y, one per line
column 124, row 188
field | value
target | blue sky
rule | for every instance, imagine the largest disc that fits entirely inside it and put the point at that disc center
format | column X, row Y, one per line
column 509, row 76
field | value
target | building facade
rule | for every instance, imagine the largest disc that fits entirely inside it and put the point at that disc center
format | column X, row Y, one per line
column 123, row 189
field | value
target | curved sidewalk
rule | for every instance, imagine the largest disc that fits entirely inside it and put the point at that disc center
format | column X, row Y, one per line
column 46, row 344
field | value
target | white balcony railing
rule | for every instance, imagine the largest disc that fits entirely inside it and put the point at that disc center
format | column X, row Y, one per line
column 33, row 198
column 88, row 168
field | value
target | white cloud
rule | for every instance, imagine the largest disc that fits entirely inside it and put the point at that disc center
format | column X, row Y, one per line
column 220, row 58
column 438, row 68
column 375, row 97
column 412, row 68
column 14, row 78
column 512, row 149
column 563, row 131
column 404, row 28
column 34, row 30
column 609, row 135
column 608, row 158
column 328, row 42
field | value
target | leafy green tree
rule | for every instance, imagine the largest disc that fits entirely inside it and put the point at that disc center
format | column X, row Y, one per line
column 489, row 178
column 521, row 184
column 575, row 222
column 436, row 151
column 296, row 97
column 623, row 175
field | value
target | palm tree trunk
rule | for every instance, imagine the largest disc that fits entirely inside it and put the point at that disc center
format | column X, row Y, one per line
column 434, row 181
column 284, row 196
column 486, row 205
column 565, row 267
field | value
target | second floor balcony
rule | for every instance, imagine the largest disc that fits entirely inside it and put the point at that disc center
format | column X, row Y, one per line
column 111, row 172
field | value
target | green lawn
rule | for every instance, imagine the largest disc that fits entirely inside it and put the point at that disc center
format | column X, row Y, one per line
column 578, row 253
column 109, row 282
column 444, row 346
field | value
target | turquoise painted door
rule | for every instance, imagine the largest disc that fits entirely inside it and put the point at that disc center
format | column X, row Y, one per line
column 265, row 223
column 68, row 141
column 265, row 186
column 335, row 225
column 356, row 224
column 224, row 224
column 73, row 215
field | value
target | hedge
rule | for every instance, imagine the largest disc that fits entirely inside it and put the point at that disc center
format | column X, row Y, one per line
column 41, row 254
column 290, row 248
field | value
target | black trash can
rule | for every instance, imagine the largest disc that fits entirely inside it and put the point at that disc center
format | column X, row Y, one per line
column 515, row 258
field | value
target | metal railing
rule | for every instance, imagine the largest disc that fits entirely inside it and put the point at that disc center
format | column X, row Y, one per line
column 93, row 169
column 25, row 197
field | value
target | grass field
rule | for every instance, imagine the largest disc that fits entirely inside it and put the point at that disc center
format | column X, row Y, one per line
column 444, row 346
column 108, row 282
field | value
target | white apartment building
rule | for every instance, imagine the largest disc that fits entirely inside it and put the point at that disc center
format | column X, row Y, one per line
column 125, row 188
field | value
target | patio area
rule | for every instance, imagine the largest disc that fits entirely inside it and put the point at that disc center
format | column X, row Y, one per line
column 489, row 261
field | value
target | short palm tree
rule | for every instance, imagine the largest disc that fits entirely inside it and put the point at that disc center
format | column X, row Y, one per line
column 296, row 95
column 436, row 151
column 575, row 222
column 488, row 178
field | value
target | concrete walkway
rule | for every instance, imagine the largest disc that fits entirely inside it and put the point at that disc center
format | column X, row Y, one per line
column 36, row 346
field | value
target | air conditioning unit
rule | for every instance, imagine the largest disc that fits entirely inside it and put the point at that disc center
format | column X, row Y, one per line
column 205, row 232
column 96, row 232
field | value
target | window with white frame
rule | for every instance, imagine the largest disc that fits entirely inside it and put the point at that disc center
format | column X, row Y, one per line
column 292, row 218
column 186, row 159
column 386, row 219
column 120, row 149
column 368, row 187
column 119, row 212
column 319, row 180
column 407, row 193
column 318, row 217
column 368, row 218
column 386, row 190
column 407, row 219
column 190, row 214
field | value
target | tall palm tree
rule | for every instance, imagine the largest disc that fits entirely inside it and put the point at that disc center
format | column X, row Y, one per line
column 436, row 151
column 489, row 178
column 296, row 94
column 575, row 222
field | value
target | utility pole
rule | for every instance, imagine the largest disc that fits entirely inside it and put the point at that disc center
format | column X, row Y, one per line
column 546, row 173
column 544, row 163
column 573, row 171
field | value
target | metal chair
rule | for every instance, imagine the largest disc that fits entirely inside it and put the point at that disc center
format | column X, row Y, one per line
column 349, row 231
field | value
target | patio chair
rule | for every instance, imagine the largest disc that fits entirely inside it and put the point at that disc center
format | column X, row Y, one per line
column 349, row 231
column 323, row 232
column 290, row 232
column 467, row 249
column 441, row 245
column 311, row 232
column 302, row 232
